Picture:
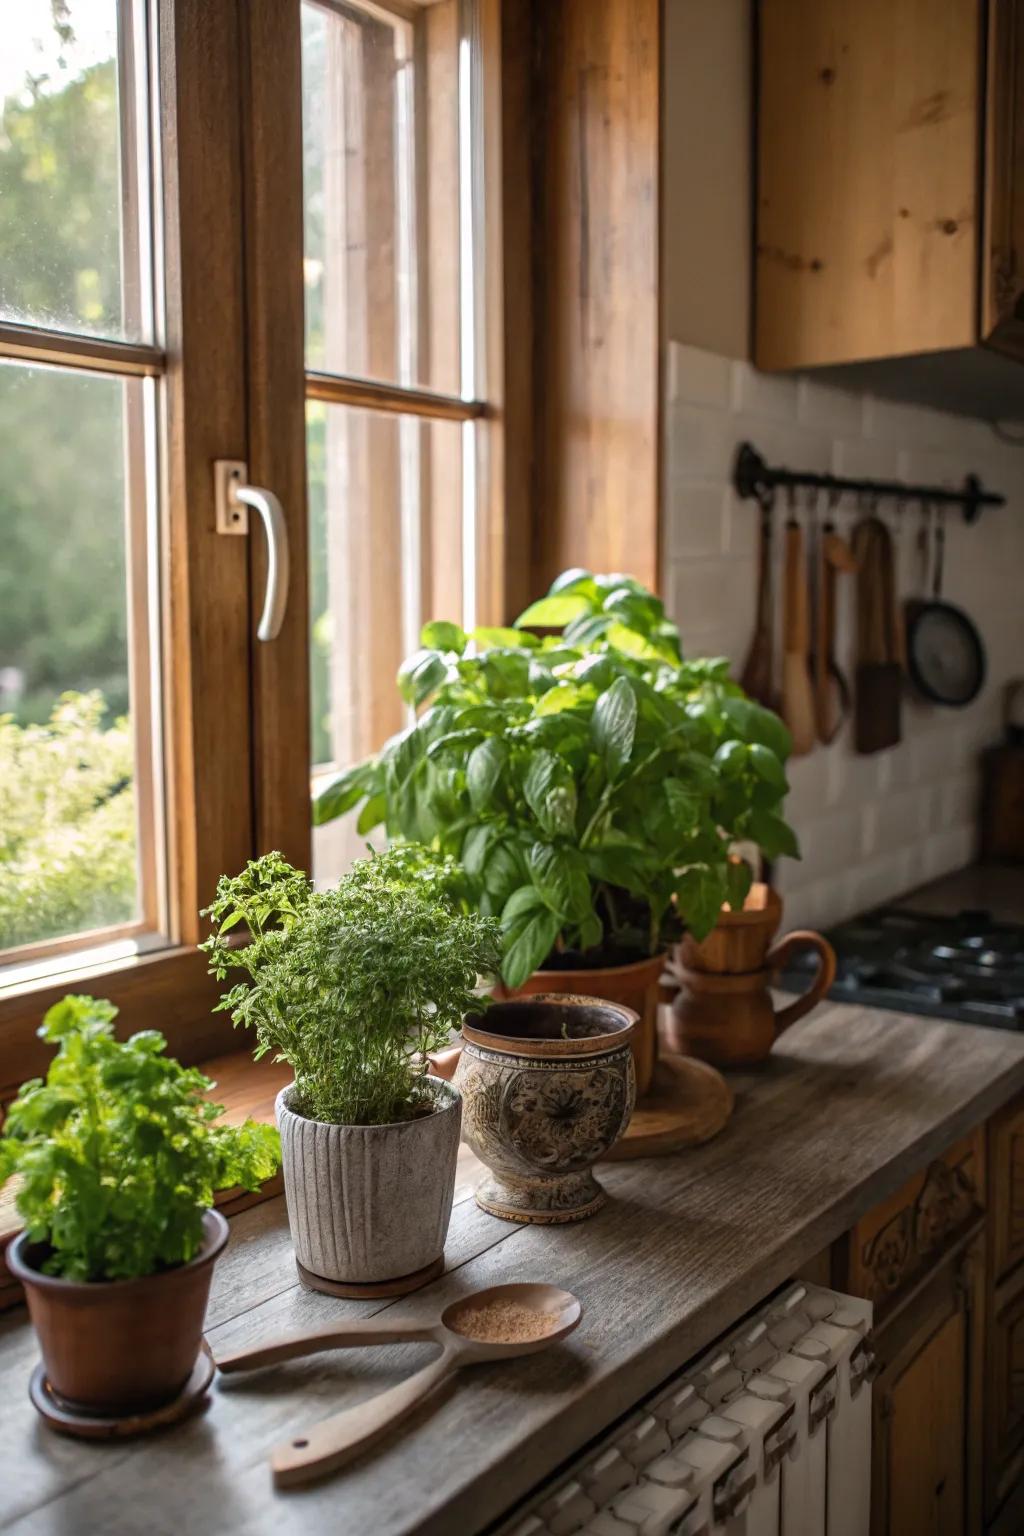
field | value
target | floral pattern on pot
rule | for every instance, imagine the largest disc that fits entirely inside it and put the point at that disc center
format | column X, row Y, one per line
column 540, row 1125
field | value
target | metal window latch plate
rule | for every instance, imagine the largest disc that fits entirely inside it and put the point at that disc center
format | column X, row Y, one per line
column 232, row 514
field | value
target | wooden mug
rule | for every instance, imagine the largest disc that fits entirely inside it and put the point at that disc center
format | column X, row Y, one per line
column 730, row 1019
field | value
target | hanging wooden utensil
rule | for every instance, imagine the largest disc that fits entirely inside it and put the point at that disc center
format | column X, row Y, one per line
column 758, row 676
column 797, row 692
column 879, row 676
column 831, row 690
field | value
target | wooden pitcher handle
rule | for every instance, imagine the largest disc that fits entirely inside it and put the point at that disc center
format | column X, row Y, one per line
column 314, row 1452
column 775, row 960
column 443, row 1063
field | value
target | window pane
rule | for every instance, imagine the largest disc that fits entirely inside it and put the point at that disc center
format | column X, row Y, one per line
column 381, row 192
column 72, row 449
column 69, row 204
column 386, row 554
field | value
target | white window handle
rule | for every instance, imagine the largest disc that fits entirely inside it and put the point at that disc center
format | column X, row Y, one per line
column 233, row 497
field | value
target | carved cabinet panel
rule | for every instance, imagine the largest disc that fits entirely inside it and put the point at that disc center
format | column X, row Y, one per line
column 905, row 1236
column 1006, row 1185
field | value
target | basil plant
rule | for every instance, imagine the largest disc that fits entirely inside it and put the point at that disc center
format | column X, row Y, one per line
column 589, row 781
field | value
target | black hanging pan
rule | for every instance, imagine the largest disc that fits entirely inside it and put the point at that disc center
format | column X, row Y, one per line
column 945, row 653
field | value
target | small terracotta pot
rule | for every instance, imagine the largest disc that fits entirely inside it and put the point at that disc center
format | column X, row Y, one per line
column 115, row 1347
column 740, row 941
column 635, row 987
column 548, row 1087
column 369, row 1203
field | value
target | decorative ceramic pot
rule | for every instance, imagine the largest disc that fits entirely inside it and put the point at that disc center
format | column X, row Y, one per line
column 119, row 1347
column 369, row 1204
column 634, row 986
column 548, row 1085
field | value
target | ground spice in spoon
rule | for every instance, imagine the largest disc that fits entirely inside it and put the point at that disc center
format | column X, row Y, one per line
column 505, row 1322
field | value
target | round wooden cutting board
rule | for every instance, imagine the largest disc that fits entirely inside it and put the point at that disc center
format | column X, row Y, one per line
column 689, row 1102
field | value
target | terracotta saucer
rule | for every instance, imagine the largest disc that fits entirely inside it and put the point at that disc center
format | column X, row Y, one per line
column 373, row 1288
column 68, row 1419
column 688, row 1102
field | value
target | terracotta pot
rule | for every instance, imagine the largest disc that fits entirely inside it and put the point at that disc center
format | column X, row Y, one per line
column 635, row 987
column 739, row 941
column 369, row 1203
column 731, row 1020
column 548, row 1087
column 116, row 1347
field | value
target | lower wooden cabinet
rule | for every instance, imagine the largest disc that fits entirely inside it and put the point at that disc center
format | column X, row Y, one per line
column 1004, row 1398
column 926, row 1444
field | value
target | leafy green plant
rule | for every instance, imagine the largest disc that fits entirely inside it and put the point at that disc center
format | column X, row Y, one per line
column 591, row 782
column 352, row 986
column 67, row 823
column 118, row 1151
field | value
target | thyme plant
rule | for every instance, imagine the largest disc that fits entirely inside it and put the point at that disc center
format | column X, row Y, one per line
column 352, row 986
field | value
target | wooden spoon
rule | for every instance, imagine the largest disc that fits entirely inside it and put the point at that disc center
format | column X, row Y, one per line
column 325, row 1446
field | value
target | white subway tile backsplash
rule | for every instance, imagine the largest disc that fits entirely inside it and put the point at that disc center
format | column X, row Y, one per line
column 700, row 527
column 835, row 411
column 870, row 826
column 699, row 377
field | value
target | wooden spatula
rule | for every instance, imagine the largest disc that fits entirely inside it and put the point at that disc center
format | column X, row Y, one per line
column 797, row 692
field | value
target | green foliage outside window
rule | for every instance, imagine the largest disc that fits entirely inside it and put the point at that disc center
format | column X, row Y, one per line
column 67, row 823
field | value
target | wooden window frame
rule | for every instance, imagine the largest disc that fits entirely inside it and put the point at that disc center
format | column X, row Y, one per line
column 229, row 217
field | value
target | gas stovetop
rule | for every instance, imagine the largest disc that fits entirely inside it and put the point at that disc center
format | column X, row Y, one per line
column 965, row 967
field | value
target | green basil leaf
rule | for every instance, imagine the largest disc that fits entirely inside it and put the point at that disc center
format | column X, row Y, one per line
column 372, row 814
column 753, row 723
column 503, row 871
column 574, row 580
column 700, row 892
column 439, row 635
column 528, row 946
column 554, row 611
column 767, row 767
column 613, row 725
column 558, row 817
column 420, row 674
column 483, row 771
column 522, row 904
column 488, row 636
column 560, row 876
column 344, row 791
column 738, row 880
column 475, row 847
column 544, row 772
column 773, row 836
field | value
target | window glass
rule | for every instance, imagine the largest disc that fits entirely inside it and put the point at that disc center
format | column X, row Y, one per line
column 71, row 236
column 70, row 445
column 380, row 179
column 386, row 554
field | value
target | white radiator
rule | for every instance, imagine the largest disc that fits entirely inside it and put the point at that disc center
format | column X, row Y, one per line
column 768, row 1434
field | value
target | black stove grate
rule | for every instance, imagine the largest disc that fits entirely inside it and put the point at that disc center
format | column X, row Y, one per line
column 964, row 966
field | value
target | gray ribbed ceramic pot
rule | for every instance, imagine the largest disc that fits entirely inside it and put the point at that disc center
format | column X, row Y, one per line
column 370, row 1203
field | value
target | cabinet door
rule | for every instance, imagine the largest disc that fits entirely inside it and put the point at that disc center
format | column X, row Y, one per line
column 868, row 197
column 1006, row 1189
column 1003, row 246
column 926, row 1448
column 1005, row 1392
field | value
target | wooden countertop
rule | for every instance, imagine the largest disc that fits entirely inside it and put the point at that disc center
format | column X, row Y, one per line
column 852, row 1102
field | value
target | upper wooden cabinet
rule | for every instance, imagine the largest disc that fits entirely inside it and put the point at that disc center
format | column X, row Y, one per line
column 890, row 193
